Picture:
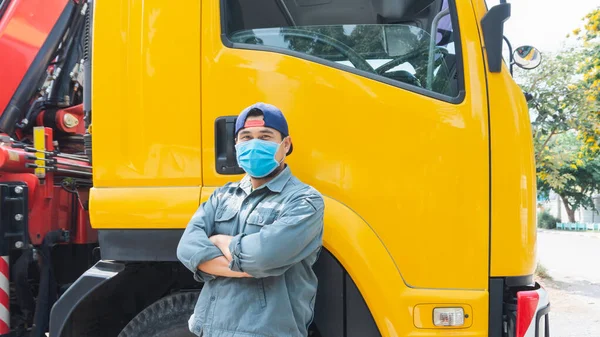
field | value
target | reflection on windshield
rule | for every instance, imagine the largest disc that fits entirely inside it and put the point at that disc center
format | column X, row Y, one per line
column 376, row 44
column 331, row 42
column 378, row 63
column 398, row 52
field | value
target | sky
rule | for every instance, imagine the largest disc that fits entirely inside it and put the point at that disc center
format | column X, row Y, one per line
column 544, row 24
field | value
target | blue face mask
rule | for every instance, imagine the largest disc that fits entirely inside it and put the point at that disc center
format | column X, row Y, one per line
column 257, row 157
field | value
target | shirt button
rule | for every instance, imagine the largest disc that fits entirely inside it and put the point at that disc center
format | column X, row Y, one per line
column 212, row 298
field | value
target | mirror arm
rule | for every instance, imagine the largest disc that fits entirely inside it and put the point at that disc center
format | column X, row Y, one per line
column 511, row 59
column 492, row 25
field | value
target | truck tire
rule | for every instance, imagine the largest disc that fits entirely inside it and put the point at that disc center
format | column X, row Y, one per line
column 167, row 317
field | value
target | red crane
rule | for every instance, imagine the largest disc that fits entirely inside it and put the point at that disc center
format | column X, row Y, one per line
column 46, row 240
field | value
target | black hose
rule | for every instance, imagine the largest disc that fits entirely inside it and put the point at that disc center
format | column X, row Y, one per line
column 23, row 291
column 70, row 186
column 33, row 110
column 48, row 289
column 68, row 55
column 87, row 81
column 87, row 67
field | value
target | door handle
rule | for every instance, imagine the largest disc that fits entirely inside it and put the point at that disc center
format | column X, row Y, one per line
column 225, row 156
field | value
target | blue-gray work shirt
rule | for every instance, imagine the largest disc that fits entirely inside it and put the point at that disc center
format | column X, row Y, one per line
column 278, row 231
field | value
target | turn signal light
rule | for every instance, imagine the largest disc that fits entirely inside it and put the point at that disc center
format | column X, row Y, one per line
column 448, row 316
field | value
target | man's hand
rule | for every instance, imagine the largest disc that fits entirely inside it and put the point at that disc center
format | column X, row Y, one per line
column 222, row 242
column 220, row 266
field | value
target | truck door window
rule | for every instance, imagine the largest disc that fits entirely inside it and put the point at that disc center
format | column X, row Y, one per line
column 381, row 39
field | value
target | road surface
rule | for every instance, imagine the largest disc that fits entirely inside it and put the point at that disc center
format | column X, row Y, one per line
column 572, row 260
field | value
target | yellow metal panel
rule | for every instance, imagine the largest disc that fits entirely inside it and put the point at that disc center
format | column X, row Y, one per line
column 146, row 93
column 513, row 250
column 415, row 168
column 39, row 143
column 142, row 207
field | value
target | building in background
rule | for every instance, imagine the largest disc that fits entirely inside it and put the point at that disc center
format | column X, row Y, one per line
column 555, row 206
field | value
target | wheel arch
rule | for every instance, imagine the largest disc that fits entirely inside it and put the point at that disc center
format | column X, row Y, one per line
column 107, row 296
column 372, row 282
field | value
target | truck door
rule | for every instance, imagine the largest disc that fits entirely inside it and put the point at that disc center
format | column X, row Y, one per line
column 384, row 116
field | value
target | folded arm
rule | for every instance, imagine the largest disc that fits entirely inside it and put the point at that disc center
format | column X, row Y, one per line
column 276, row 247
column 219, row 267
column 196, row 251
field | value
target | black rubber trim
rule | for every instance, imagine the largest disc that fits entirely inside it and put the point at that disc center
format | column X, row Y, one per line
column 330, row 304
column 134, row 245
column 496, row 307
column 544, row 311
column 3, row 7
column 492, row 25
column 519, row 281
column 78, row 291
column 359, row 320
column 454, row 100
column 459, row 52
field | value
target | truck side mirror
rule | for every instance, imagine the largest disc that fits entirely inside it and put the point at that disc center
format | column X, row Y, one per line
column 527, row 57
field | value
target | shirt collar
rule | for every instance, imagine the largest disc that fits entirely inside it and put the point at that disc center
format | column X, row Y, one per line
column 276, row 184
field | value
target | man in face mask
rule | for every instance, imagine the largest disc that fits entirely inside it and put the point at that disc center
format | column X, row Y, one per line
column 262, row 142
column 254, row 242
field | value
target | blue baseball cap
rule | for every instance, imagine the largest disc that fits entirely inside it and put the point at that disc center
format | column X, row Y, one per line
column 272, row 118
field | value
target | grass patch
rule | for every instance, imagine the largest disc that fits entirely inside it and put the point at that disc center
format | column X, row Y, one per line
column 546, row 220
column 542, row 272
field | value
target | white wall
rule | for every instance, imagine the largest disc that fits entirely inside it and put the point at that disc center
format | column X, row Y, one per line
column 556, row 207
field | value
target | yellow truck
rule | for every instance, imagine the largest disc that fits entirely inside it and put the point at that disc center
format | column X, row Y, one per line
column 404, row 115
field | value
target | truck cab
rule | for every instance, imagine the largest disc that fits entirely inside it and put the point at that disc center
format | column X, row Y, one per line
column 404, row 116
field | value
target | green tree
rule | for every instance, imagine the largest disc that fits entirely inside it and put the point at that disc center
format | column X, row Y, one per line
column 589, row 67
column 565, row 129
column 559, row 102
column 569, row 173
column 591, row 41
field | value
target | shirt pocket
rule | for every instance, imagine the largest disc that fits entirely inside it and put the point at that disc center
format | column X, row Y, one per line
column 225, row 218
column 260, row 218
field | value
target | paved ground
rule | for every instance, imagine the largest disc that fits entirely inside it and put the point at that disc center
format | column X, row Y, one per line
column 573, row 262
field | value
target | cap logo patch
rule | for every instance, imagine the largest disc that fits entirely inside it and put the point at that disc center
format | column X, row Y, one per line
column 254, row 122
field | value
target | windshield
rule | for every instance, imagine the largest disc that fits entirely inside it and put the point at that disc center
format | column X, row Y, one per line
column 399, row 52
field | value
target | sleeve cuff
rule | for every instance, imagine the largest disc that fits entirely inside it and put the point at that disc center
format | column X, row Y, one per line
column 199, row 258
column 235, row 247
column 201, row 276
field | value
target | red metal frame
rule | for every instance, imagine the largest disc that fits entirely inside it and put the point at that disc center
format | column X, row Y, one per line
column 23, row 29
column 50, row 207
column 75, row 112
